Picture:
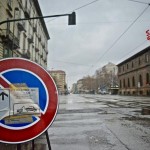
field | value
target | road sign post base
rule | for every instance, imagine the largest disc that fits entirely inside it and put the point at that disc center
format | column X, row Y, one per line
column 48, row 140
column 18, row 146
column 33, row 146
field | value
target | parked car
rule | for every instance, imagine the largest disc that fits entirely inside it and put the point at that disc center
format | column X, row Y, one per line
column 103, row 92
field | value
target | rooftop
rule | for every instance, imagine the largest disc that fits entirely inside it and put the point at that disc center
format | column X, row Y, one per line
column 135, row 55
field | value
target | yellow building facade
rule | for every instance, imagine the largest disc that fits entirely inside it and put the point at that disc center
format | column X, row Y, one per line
column 59, row 77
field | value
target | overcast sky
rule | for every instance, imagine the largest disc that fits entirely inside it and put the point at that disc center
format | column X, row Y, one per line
column 105, row 31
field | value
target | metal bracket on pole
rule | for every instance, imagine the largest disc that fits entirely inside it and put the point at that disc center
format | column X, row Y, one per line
column 72, row 18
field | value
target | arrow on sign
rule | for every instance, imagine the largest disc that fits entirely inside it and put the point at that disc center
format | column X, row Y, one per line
column 3, row 95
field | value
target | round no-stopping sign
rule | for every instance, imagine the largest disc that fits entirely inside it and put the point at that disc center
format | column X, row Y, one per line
column 18, row 70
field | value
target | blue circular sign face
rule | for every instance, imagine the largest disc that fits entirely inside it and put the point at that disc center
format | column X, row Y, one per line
column 17, row 70
column 32, row 81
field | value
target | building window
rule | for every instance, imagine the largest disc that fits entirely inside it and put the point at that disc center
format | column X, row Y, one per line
column 147, row 58
column 28, row 46
column 133, row 81
column 18, row 34
column 24, row 42
column 123, row 68
column 147, row 78
column 124, row 85
column 119, row 69
column 120, row 84
column 6, row 53
column 140, row 80
column 132, row 64
column 8, row 27
column 26, row 4
column 128, row 82
column 127, row 66
column 139, row 61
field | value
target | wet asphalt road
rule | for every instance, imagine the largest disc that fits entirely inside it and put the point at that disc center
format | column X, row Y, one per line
column 96, row 122
column 101, row 122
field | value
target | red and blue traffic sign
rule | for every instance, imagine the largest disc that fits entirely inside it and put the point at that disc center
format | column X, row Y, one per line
column 19, row 70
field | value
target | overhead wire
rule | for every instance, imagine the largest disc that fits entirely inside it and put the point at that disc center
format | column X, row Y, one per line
column 139, row 2
column 127, row 54
column 71, row 63
column 87, row 4
column 103, row 22
column 114, row 43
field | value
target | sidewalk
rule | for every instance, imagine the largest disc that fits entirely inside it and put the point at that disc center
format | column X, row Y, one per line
column 40, row 143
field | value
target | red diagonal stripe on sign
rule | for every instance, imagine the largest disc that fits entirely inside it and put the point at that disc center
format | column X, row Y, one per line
column 4, row 83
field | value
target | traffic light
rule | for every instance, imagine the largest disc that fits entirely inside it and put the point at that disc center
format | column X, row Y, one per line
column 72, row 19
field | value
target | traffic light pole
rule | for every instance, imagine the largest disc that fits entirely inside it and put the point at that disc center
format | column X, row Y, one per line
column 72, row 18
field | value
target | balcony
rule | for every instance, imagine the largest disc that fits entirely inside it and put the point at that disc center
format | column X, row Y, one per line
column 36, row 49
column 9, row 39
column 30, row 38
column 26, row 54
column 27, row 12
column 21, row 26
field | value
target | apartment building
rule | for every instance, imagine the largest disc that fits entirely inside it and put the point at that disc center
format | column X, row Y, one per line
column 134, row 74
column 59, row 77
column 27, row 39
column 109, row 68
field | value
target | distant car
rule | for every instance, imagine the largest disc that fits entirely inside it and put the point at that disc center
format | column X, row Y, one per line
column 103, row 92
column 30, row 108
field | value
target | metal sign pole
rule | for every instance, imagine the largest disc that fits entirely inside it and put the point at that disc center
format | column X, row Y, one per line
column 18, row 146
column 33, row 144
column 48, row 140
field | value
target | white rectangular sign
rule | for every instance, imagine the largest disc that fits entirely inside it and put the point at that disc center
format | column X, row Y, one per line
column 4, row 98
column 4, row 102
column 19, row 102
